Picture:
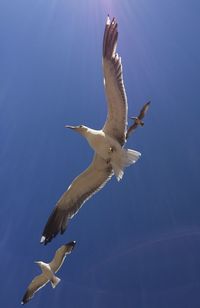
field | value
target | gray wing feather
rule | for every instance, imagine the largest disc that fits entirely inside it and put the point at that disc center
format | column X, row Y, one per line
column 81, row 189
column 60, row 256
column 116, row 122
column 36, row 284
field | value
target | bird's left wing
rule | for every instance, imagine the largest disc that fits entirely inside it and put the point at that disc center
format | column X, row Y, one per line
column 36, row 284
column 81, row 189
column 60, row 256
column 144, row 110
column 131, row 129
column 116, row 122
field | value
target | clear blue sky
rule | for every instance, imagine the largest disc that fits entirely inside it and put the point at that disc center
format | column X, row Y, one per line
column 138, row 241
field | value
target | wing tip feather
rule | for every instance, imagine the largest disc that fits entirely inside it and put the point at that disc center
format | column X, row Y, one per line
column 110, row 38
column 25, row 299
column 57, row 223
column 108, row 20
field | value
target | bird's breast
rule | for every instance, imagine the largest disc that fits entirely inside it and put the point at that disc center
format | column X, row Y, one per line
column 101, row 144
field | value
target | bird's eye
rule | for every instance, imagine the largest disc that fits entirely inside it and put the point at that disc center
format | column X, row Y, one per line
column 81, row 126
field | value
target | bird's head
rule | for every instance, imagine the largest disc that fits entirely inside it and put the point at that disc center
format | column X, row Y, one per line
column 80, row 128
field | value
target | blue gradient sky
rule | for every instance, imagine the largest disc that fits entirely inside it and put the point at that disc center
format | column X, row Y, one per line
column 138, row 241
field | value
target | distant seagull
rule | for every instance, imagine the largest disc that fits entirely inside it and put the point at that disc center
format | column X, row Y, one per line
column 110, row 156
column 48, row 270
column 138, row 120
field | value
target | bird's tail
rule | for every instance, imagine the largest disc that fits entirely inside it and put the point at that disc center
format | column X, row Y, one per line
column 127, row 158
column 55, row 280
column 130, row 157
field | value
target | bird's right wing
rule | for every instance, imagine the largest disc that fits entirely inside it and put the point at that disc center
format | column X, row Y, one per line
column 36, row 284
column 81, row 189
column 60, row 256
column 131, row 129
column 144, row 110
column 116, row 122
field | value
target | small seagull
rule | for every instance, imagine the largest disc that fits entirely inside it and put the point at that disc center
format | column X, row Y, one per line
column 110, row 156
column 138, row 120
column 48, row 272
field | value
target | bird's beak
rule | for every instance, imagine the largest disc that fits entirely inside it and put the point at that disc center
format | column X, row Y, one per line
column 37, row 262
column 71, row 127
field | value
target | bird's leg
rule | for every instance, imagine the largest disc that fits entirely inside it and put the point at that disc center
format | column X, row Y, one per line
column 110, row 151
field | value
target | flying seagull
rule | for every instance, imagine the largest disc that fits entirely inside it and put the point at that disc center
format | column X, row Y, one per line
column 138, row 120
column 110, row 157
column 48, row 272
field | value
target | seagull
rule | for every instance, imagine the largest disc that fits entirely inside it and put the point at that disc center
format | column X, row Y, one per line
column 138, row 120
column 48, row 270
column 110, row 156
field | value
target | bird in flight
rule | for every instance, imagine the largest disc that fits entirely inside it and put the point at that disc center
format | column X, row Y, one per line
column 48, row 272
column 138, row 120
column 110, row 156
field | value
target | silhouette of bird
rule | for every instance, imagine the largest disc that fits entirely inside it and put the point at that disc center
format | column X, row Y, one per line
column 138, row 120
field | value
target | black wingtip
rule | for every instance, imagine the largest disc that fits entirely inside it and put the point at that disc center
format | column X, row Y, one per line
column 57, row 223
column 25, row 299
column 72, row 243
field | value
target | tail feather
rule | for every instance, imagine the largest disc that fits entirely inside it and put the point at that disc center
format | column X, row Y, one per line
column 127, row 157
column 55, row 280
column 130, row 157
column 118, row 171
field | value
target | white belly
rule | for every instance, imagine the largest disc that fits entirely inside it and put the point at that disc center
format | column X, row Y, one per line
column 110, row 150
column 102, row 144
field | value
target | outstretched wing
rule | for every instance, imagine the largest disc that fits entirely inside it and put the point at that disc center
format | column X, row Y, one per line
column 116, row 122
column 144, row 110
column 131, row 129
column 36, row 284
column 81, row 189
column 60, row 256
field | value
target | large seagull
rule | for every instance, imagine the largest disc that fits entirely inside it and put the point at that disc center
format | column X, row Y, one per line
column 110, row 156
